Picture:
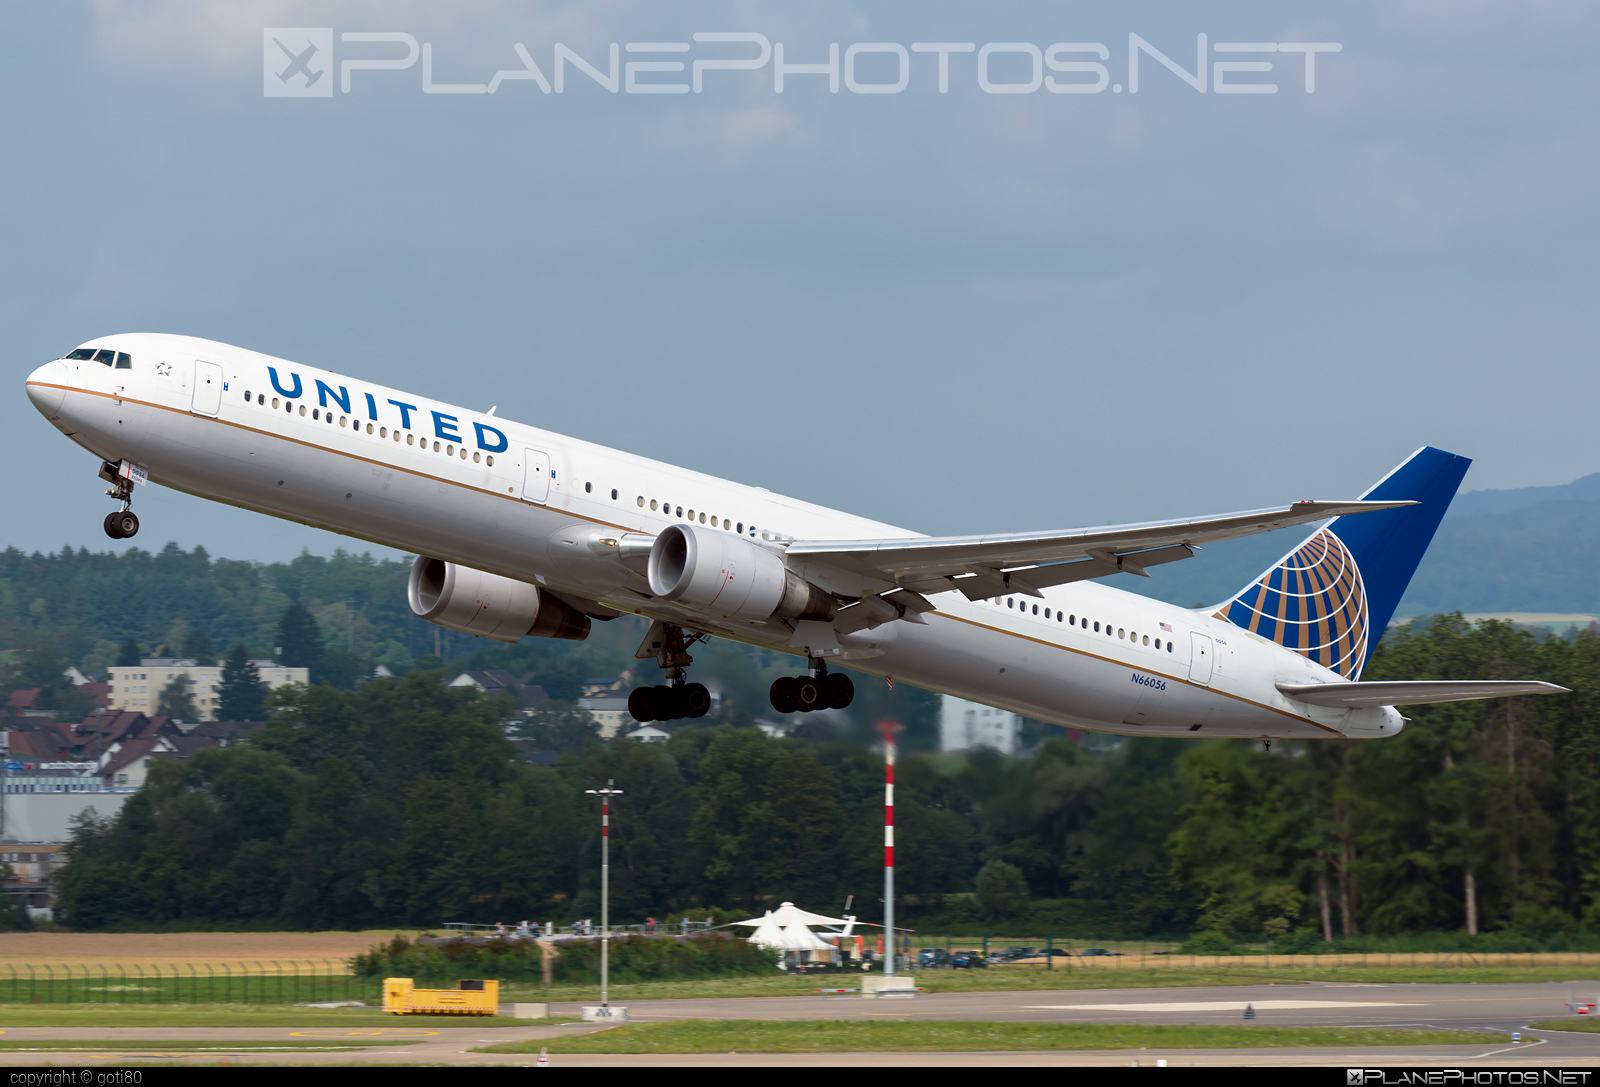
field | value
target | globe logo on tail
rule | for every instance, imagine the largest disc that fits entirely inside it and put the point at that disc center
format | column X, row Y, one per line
column 1312, row 602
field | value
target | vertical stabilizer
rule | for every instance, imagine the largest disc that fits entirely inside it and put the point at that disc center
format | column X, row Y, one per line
column 1331, row 598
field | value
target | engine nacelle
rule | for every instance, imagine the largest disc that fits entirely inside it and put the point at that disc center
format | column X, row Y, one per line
column 488, row 605
column 731, row 577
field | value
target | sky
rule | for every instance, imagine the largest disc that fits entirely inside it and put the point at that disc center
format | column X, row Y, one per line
column 980, row 310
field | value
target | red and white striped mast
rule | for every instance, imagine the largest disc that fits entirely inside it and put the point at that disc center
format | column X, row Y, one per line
column 605, row 796
column 888, row 728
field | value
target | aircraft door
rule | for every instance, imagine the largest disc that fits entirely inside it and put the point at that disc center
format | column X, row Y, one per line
column 207, row 388
column 535, row 476
column 1200, row 660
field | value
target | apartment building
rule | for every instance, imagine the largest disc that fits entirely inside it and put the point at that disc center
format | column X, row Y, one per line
column 139, row 688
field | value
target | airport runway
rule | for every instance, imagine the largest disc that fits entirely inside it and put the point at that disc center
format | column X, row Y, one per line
column 1453, row 1007
column 1500, row 1008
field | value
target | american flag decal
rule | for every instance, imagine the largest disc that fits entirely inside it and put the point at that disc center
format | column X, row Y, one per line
column 1167, row 627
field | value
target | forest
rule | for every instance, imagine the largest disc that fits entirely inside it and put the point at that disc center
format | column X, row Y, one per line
column 404, row 802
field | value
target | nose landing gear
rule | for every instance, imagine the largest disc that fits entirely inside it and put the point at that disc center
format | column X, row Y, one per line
column 123, row 523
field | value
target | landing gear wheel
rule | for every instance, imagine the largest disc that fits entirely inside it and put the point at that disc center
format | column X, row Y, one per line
column 665, row 703
column 639, row 704
column 808, row 694
column 696, row 700
column 121, row 525
column 838, row 689
column 782, row 695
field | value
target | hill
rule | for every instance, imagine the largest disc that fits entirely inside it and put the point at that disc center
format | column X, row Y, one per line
column 1524, row 549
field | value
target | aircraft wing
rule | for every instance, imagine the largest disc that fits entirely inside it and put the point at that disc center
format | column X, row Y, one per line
column 988, row 566
column 1412, row 692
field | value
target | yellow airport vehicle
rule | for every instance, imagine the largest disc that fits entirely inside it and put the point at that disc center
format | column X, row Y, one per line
column 401, row 997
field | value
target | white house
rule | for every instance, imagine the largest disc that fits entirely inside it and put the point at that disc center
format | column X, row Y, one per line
column 964, row 725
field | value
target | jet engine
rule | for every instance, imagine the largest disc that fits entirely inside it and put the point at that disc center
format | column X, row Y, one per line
column 488, row 605
column 731, row 577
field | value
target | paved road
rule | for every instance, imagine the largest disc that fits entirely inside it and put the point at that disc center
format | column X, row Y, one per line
column 1501, row 1008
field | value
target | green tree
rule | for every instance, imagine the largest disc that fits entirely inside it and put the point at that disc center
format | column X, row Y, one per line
column 177, row 699
column 1002, row 892
column 197, row 644
column 300, row 641
column 44, row 668
column 128, row 654
column 241, row 694
column 558, row 726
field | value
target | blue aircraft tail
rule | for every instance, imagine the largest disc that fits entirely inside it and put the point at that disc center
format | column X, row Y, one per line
column 1331, row 598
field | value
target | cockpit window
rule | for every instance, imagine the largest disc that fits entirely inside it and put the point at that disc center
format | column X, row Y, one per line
column 106, row 357
column 124, row 361
column 83, row 354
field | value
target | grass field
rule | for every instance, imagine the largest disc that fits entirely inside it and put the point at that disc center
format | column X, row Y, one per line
column 240, row 1015
column 828, row 1036
column 1581, row 1026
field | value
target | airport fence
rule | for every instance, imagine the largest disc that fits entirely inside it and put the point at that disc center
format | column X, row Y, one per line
column 928, row 951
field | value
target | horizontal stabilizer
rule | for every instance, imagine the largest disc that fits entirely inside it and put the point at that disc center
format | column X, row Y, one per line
column 1411, row 692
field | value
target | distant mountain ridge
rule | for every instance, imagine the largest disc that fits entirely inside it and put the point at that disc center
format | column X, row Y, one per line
column 1521, row 549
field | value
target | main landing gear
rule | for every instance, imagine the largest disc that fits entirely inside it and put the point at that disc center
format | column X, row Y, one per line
column 675, row 699
column 123, row 523
column 821, row 690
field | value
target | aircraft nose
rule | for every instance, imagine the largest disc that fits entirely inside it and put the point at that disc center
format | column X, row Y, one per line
column 47, row 388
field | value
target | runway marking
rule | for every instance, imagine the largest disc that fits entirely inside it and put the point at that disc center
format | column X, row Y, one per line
column 1224, row 1005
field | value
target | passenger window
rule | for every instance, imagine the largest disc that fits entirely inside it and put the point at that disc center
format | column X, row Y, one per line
column 1097, row 626
column 1010, row 603
column 369, row 428
column 274, row 403
column 702, row 518
column 613, row 494
column 314, row 414
column 740, row 529
column 588, row 488
column 124, row 361
column 302, row 409
column 476, row 457
column 1036, row 609
column 449, row 450
column 652, row 505
column 410, row 438
column 247, row 396
column 680, row 511
column 640, row 502
column 1072, row 620
column 1120, row 633
column 490, row 461
column 1169, row 646
column 341, row 420
column 105, row 357
column 1147, row 641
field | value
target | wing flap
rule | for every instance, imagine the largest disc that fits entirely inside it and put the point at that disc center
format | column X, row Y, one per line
column 1412, row 692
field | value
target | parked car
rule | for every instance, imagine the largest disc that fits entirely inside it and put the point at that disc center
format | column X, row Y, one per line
column 1093, row 952
column 933, row 958
column 967, row 960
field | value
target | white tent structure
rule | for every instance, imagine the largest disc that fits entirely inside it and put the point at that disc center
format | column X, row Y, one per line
column 786, row 929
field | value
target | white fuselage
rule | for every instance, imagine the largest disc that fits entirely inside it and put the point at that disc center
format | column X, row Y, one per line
column 486, row 492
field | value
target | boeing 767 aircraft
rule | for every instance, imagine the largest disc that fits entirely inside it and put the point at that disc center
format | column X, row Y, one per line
column 520, row 531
